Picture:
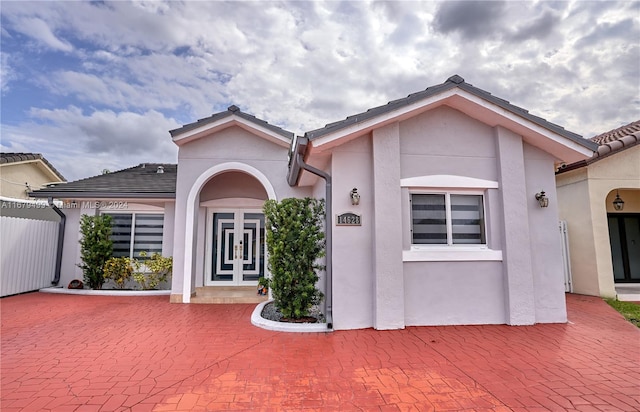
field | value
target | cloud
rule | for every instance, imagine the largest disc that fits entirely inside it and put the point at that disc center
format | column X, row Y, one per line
column 116, row 69
column 114, row 140
column 7, row 73
column 607, row 31
column 539, row 28
column 472, row 19
column 40, row 31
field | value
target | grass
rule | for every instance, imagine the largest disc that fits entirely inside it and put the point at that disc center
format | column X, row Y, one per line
column 631, row 311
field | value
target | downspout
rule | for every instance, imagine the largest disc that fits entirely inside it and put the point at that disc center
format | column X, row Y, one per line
column 299, row 161
column 63, row 221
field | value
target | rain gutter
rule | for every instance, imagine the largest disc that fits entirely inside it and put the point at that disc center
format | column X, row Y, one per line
column 61, row 225
column 298, row 164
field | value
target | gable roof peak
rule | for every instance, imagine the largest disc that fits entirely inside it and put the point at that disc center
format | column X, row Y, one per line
column 6, row 158
column 233, row 108
column 455, row 79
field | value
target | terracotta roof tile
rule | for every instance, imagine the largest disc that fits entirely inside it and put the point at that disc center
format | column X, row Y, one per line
column 609, row 143
column 617, row 134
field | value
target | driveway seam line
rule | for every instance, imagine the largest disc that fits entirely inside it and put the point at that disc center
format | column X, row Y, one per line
column 202, row 370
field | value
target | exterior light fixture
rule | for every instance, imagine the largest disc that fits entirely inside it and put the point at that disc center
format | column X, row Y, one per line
column 618, row 203
column 355, row 197
column 542, row 199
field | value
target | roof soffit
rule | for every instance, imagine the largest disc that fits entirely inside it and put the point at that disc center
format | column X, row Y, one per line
column 226, row 122
column 474, row 106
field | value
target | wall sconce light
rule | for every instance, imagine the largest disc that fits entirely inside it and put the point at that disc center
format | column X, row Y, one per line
column 355, row 197
column 542, row 199
column 618, row 203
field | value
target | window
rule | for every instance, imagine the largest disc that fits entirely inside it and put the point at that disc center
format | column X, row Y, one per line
column 447, row 219
column 133, row 233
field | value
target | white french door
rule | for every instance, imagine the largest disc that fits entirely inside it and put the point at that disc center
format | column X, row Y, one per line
column 236, row 250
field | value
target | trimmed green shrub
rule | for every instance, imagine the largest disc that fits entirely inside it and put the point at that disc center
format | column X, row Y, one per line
column 96, row 248
column 295, row 242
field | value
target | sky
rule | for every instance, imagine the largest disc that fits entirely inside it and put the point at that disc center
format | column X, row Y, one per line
column 98, row 85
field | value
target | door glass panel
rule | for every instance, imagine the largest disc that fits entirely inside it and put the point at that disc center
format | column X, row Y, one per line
column 222, row 258
column 253, row 247
column 616, row 248
column 632, row 229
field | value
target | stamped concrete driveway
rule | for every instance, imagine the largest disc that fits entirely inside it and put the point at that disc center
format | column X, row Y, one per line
column 88, row 353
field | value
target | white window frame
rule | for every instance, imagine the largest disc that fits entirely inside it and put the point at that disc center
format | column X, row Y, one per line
column 133, row 224
column 449, row 185
column 449, row 220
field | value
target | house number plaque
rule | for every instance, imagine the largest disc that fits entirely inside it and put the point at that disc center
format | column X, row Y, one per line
column 348, row 219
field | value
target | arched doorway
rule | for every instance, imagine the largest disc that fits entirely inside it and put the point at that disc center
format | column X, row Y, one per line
column 239, row 191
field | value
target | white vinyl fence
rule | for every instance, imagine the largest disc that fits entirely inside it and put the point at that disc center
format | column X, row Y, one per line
column 28, row 254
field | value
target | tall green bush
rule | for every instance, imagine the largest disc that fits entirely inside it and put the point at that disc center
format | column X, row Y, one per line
column 295, row 241
column 96, row 248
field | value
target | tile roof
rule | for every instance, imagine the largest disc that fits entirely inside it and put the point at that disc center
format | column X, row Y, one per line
column 231, row 111
column 450, row 83
column 628, row 132
column 142, row 181
column 6, row 158
column 609, row 143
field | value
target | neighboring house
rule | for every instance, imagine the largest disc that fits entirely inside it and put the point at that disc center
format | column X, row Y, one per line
column 21, row 173
column 447, row 229
column 604, row 240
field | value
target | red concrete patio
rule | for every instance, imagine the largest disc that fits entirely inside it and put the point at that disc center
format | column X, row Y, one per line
column 88, row 353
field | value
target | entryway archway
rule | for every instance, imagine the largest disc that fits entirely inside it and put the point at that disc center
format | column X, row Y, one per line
column 226, row 200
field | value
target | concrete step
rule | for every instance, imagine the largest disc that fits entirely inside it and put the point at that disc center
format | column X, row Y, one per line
column 228, row 294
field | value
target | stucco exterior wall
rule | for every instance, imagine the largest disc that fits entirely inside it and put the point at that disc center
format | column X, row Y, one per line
column 585, row 197
column 351, row 167
column 445, row 141
column 454, row 293
column 574, row 206
column 17, row 176
column 546, row 251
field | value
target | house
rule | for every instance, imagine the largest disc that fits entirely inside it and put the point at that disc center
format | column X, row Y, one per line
column 22, row 173
column 433, row 203
column 599, row 198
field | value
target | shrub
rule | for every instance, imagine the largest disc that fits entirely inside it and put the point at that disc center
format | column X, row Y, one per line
column 295, row 241
column 153, row 271
column 96, row 248
column 119, row 270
